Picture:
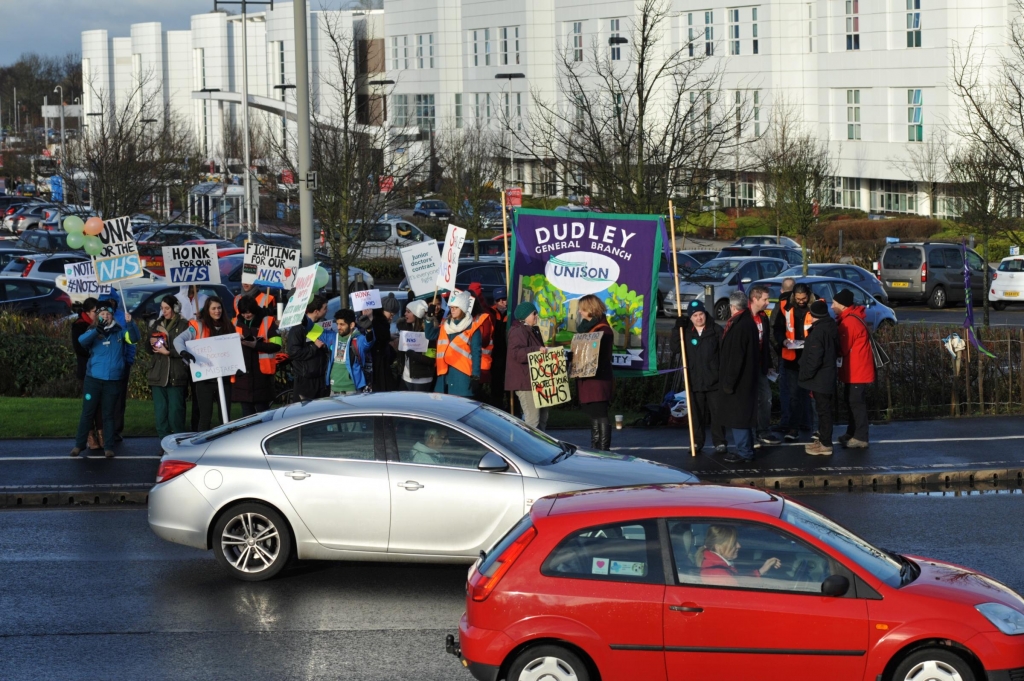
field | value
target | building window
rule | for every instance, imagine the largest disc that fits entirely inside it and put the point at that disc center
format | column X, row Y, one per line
column 707, row 112
column 478, row 107
column 757, row 113
column 616, row 49
column 853, row 114
column 476, row 48
column 489, row 112
column 734, row 31
column 400, row 107
column 405, row 51
column 893, row 196
column 691, row 35
column 753, row 28
column 425, row 112
column 810, row 27
column 516, row 29
column 577, row 41
column 847, row 192
column 509, row 36
column 394, row 52
column 709, row 33
column 853, row 24
column 430, row 41
column 487, row 47
column 420, row 53
column 519, row 111
column 503, row 37
column 458, row 110
column 915, row 125
column 200, row 61
column 913, row 23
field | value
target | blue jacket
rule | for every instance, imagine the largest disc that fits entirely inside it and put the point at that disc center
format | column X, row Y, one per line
column 129, row 356
column 355, row 359
column 108, row 351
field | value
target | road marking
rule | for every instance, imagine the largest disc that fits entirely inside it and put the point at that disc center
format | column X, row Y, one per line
column 874, row 442
column 69, row 458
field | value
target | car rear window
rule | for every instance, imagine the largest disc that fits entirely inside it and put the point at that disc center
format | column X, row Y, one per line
column 627, row 551
column 495, row 551
column 16, row 266
column 1011, row 266
column 902, row 259
column 233, row 427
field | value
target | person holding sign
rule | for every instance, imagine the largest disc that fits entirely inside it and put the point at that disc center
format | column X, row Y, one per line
column 168, row 376
column 459, row 349
column 105, row 340
column 87, row 314
column 261, row 343
column 524, row 338
column 349, row 356
column 595, row 393
column 418, row 367
column 309, row 356
column 264, row 300
column 212, row 321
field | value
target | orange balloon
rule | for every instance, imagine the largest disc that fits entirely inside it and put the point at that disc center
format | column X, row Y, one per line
column 93, row 226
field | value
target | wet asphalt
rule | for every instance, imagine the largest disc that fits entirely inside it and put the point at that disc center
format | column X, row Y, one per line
column 93, row 594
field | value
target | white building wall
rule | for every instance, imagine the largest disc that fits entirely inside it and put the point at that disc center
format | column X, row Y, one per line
column 97, row 76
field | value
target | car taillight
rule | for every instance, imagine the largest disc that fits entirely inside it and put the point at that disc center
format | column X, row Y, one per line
column 924, row 272
column 995, row 275
column 172, row 468
column 481, row 584
column 66, row 299
column 28, row 268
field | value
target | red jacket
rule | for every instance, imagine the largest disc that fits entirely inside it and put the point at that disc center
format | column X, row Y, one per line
column 855, row 347
column 714, row 570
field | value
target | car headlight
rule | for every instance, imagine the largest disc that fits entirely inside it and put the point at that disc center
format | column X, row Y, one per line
column 1005, row 618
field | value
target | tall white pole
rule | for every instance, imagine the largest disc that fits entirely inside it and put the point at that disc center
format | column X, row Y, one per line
column 245, row 122
column 302, row 141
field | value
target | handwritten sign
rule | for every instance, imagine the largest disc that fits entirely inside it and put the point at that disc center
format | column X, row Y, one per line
column 191, row 264
column 549, row 380
column 119, row 259
column 79, row 281
column 305, row 280
column 449, row 268
column 216, row 356
column 365, row 300
column 421, row 262
column 586, row 348
column 270, row 266
column 412, row 340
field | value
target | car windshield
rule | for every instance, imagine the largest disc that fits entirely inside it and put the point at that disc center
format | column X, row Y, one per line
column 135, row 296
column 716, row 270
column 233, row 427
column 513, row 435
column 882, row 565
column 1011, row 266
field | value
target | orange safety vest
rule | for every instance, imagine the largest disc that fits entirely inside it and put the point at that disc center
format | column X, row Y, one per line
column 790, row 313
column 486, row 326
column 268, row 360
column 264, row 300
column 200, row 330
column 456, row 353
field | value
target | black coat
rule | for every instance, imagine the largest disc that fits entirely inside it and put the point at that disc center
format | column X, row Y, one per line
column 703, row 358
column 420, row 366
column 818, row 362
column 738, row 373
column 78, row 327
column 309, row 362
column 383, row 355
column 764, row 352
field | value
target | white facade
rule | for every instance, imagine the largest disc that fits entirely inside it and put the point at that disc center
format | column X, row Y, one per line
column 873, row 78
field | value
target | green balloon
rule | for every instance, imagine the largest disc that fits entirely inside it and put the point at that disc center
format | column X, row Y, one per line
column 321, row 279
column 73, row 225
column 93, row 245
column 76, row 239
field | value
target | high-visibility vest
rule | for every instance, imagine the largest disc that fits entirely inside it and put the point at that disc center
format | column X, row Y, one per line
column 790, row 313
column 199, row 330
column 456, row 352
column 268, row 360
column 264, row 300
column 485, row 324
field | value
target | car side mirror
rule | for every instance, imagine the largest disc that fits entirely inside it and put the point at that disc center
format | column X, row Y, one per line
column 492, row 463
column 835, row 585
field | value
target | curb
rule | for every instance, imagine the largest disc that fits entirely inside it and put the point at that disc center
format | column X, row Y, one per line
column 51, row 498
column 884, row 480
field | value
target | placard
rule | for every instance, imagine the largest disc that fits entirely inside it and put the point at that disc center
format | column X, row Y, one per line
column 586, row 350
column 270, row 266
column 449, row 267
column 191, row 264
column 119, row 259
column 79, row 281
column 305, row 281
column 415, row 341
column 365, row 300
column 421, row 263
column 216, row 356
column 548, row 378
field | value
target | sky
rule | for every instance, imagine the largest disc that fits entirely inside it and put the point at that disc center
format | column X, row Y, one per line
column 54, row 27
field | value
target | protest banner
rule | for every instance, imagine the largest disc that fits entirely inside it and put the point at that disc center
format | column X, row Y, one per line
column 557, row 259
column 549, row 380
column 270, row 266
column 217, row 357
column 449, row 268
column 119, row 259
column 412, row 340
column 79, row 281
column 365, row 300
column 305, row 282
column 421, row 262
column 192, row 264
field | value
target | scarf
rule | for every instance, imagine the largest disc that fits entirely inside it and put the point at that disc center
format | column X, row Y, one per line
column 454, row 328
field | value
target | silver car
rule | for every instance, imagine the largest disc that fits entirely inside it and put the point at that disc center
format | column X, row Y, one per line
column 723, row 275
column 388, row 476
column 876, row 315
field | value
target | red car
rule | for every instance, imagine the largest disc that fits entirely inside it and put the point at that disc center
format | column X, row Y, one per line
column 712, row 583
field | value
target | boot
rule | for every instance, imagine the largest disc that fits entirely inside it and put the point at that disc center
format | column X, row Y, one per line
column 595, row 433
column 606, row 435
column 99, row 438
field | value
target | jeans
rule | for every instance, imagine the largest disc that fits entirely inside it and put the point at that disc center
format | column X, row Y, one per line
column 744, row 440
column 824, row 404
column 169, row 408
column 534, row 416
column 857, row 411
column 764, row 405
column 99, row 394
column 799, row 403
column 703, row 414
column 784, row 398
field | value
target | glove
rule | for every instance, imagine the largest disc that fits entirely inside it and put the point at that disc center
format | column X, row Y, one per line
column 474, row 384
column 187, row 356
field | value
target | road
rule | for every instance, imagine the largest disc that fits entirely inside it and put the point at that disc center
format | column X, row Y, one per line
column 92, row 594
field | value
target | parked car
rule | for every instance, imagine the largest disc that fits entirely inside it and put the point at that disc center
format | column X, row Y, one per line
column 41, row 265
column 389, row 476
column 1007, row 282
column 431, row 208
column 622, row 584
column 220, row 244
column 34, row 296
column 10, row 203
column 54, row 220
column 701, row 256
column 143, row 298
column 28, row 216
column 8, row 253
column 175, row 234
column 877, row 314
column 270, row 238
column 489, row 274
column 766, row 239
column 858, row 275
column 231, row 272
column 43, row 241
column 725, row 275
column 667, row 279
column 930, row 272
column 576, row 208
column 790, row 255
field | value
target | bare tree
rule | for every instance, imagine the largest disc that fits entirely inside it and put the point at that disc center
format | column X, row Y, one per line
column 471, row 172
column 925, row 163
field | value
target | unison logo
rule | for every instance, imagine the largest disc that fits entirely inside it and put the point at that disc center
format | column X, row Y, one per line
column 581, row 272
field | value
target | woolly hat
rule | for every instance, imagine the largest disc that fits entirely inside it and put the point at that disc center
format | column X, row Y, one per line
column 476, row 289
column 418, row 308
column 390, row 304
column 696, row 306
column 524, row 310
column 819, row 309
column 460, row 300
column 844, row 297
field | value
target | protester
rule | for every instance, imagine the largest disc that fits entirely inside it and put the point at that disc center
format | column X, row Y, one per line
column 737, row 378
column 105, row 340
column 523, row 338
column 168, row 375
column 419, row 369
column 499, row 321
column 350, row 356
column 309, row 356
column 261, row 343
column 797, row 322
column 595, row 393
column 86, row 316
column 758, row 298
column 121, row 403
column 856, row 368
column 383, row 352
column 818, row 373
column 483, row 321
column 703, row 342
column 265, row 300
column 211, row 321
column 191, row 301
column 779, row 334
column 458, row 349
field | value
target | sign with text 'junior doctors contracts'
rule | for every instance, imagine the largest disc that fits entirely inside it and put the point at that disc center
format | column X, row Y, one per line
column 270, row 266
column 421, row 262
column 191, row 264
column 119, row 259
column 558, row 258
column 449, row 268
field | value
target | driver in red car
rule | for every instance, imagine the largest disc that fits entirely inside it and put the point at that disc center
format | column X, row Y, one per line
column 721, row 547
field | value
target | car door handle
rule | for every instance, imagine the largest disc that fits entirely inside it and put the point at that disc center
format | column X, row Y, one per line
column 411, row 485
column 686, row 608
column 297, row 475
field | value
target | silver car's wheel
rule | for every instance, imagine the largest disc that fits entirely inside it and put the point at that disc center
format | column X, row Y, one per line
column 252, row 542
column 933, row 664
column 548, row 663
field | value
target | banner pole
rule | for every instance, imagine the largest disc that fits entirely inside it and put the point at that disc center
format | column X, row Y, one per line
column 225, row 415
column 682, row 335
column 508, row 282
column 123, row 303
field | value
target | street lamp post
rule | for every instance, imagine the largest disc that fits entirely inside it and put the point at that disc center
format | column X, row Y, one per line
column 510, row 77
column 306, row 179
column 61, row 89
